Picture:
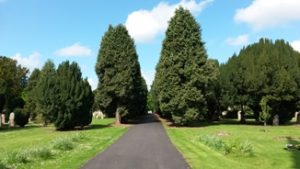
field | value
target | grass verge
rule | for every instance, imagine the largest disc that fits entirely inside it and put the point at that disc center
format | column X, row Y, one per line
column 44, row 147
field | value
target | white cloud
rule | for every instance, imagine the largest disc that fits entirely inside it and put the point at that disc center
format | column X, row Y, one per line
column 31, row 62
column 263, row 14
column 296, row 45
column 149, row 77
column 238, row 41
column 74, row 50
column 93, row 83
column 145, row 25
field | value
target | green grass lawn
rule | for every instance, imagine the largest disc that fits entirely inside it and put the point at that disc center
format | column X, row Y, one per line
column 85, row 144
column 268, row 146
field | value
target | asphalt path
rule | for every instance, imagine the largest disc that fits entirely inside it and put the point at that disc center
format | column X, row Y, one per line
column 143, row 146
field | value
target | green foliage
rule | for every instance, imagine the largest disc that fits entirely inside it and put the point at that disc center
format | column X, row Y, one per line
column 13, row 80
column 43, row 153
column 74, row 98
column 236, row 147
column 21, row 117
column 64, row 144
column 31, row 95
column 122, row 87
column 18, row 156
column 263, row 69
column 182, row 74
column 47, row 93
column 266, row 110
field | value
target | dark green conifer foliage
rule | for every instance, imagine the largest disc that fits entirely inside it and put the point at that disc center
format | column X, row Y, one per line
column 182, row 74
column 74, row 98
column 122, row 90
column 264, row 69
column 47, row 93
column 31, row 95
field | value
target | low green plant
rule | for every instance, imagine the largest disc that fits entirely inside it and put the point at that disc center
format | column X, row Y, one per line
column 3, row 165
column 42, row 153
column 64, row 144
column 18, row 156
column 245, row 148
column 78, row 137
column 236, row 147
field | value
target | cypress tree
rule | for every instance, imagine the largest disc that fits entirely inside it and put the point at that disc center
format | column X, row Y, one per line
column 121, row 91
column 181, row 74
column 75, row 98
column 31, row 93
column 47, row 93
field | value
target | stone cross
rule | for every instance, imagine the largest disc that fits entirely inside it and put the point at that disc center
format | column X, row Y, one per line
column 12, row 119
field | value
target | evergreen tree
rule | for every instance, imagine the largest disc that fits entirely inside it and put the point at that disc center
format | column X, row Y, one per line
column 182, row 74
column 122, row 91
column 31, row 93
column 263, row 69
column 74, row 98
column 47, row 93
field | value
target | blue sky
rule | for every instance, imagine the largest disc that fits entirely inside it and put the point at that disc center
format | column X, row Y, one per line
column 33, row 31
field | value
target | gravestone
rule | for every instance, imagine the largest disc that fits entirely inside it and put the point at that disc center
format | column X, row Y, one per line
column 276, row 120
column 12, row 119
column 298, row 117
column 239, row 115
column 3, row 118
column 98, row 114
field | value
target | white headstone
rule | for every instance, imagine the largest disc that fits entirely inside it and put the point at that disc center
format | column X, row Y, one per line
column 239, row 116
column 12, row 119
column 98, row 114
column 3, row 118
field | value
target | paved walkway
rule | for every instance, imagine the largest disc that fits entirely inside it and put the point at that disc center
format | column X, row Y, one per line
column 143, row 146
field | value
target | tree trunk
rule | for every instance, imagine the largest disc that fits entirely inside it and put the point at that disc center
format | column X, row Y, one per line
column 298, row 118
column 118, row 117
column 265, row 123
column 243, row 119
column 276, row 120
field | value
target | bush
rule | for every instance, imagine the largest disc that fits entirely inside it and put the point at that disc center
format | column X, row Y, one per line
column 21, row 117
column 63, row 144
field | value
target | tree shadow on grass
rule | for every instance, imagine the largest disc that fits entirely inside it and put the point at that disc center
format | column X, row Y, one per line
column 95, row 127
column 6, row 128
column 295, row 154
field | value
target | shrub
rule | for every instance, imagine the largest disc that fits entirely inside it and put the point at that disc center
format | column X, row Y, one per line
column 21, row 117
column 42, row 153
column 64, row 144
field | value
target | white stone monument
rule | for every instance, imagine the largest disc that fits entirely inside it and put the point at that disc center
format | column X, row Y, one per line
column 3, row 118
column 12, row 119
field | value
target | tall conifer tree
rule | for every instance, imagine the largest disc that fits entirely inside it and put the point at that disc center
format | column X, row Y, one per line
column 181, row 74
column 122, row 91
